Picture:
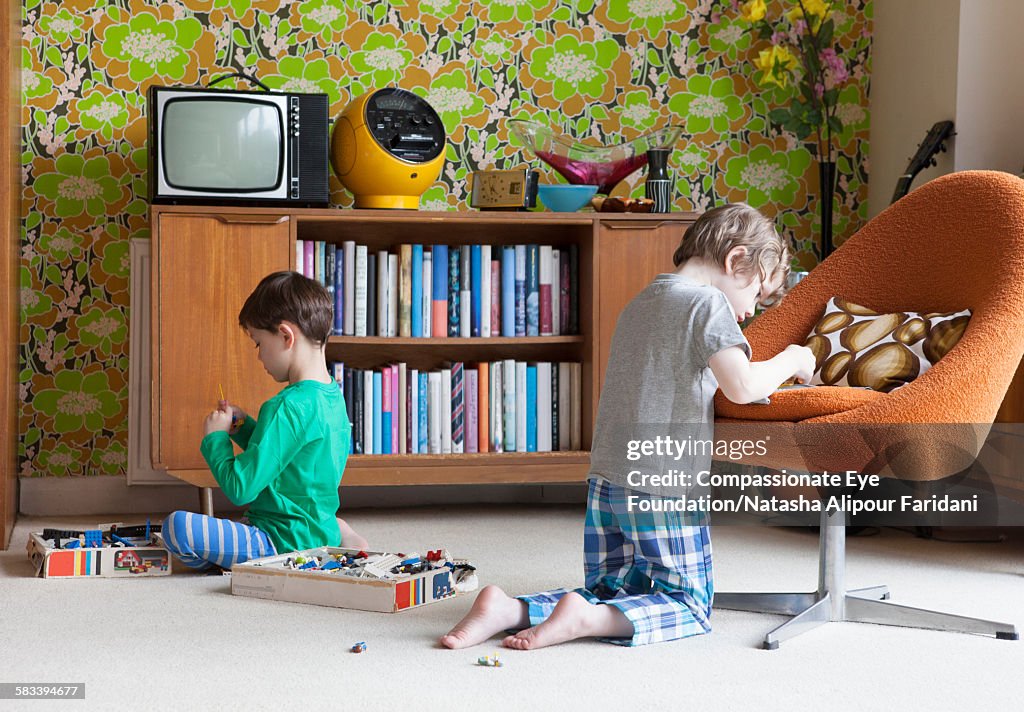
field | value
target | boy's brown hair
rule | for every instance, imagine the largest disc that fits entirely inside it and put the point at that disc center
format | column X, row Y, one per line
column 292, row 297
column 721, row 229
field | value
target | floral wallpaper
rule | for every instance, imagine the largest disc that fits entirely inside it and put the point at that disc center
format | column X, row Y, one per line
column 604, row 70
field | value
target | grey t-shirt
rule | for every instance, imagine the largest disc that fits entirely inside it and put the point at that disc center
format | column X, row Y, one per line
column 658, row 385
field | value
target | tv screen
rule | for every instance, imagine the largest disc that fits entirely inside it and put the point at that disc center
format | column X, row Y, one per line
column 222, row 144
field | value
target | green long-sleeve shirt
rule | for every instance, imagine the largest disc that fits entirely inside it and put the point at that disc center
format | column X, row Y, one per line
column 291, row 465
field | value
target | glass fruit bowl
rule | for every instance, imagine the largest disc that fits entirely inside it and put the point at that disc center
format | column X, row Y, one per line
column 581, row 164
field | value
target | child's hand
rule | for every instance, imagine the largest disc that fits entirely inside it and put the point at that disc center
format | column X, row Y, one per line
column 804, row 362
column 218, row 420
column 238, row 415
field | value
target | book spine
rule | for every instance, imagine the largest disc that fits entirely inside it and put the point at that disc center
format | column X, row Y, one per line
column 403, row 409
column 349, row 254
column 378, row 422
column 508, row 395
column 318, row 266
column 483, row 406
column 458, row 408
column 423, row 394
column 300, row 257
column 359, row 292
column 440, row 291
column 520, row 290
column 575, row 401
column 532, row 290
column 465, row 293
column 371, row 294
column 337, row 259
column 367, row 407
column 392, row 295
column 428, row 294
column 472, row 404
column 543, row 406
column 382, row 293
column 497, row 407
column 347, row 386
column 544, row 282
column 435, row 412
column 358, row 419
column 385, row 411
column 563, row 289
column 564, row 406
column 396, row 414
column 454, row 290
column 556, row 293
column 508, row 291
column 475, row 283
column 554, row 407
column 521, row 406
column 416, row 298
column 446, row 411
column 405, row 290
column 485, row 291
column 329, row 268
column 413, row 402
column 531, row 408
column 309, row 263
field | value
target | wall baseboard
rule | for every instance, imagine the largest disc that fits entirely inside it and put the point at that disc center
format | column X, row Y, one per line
column 72, row 496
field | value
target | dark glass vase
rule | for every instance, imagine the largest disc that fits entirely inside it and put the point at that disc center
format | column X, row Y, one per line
column 827, row 186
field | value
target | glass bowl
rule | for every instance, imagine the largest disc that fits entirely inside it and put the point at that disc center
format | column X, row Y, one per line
column 582, row 164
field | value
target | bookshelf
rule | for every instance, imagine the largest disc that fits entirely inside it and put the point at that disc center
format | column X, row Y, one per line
column 207, row 259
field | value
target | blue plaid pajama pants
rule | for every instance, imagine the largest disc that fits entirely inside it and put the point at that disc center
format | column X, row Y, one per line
column 655, row 567
column 201, row 541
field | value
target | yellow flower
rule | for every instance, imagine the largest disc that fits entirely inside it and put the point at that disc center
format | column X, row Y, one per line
column 753, row 11
column 817, row 9
column 775, row 64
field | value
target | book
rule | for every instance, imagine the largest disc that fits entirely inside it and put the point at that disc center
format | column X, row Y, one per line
column 385, row 410
column 358, row 421
column 531, row 408
column 371, row 294
column 392, row 295
column 300, row 257
column 484, row 406
column 434, row 411
column 556, row 298
column 520, row 303
column 382, row 293
column 508, row 403
column 563, row 406
column 423, row 395
column 378, row 422
column 336, row 268
column 497, row 407
column 485, row 290
column 563, row 292
column 347, row 393
column 465, row 292
column 454, row 290
column 520, row 410
column 359, row 292
column 532, row 290
column 396, row 415
column 554, row 407
column 329, row 269
column 350, row 257
column 309, row 263
column 446, row 411
column 475, row 285
column 439, row 289
column 508, row 291
column 368, row 412
column 544, row 413
column 319, row 256
column 416, row 292
column 428, row 294
column 458, row 408
column 544, row 282
column 403, row 409
column 412, row 399
column 574, row 290
column 472, row 394
column 405, row 290
column 575, row 402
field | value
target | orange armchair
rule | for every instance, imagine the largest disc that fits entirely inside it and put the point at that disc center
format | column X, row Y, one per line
column 954, row 243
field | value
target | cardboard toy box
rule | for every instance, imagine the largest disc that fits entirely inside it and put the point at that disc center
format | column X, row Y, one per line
column 143, row 557
column 273, row 577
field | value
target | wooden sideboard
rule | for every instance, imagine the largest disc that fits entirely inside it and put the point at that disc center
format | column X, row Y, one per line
column 205, row 261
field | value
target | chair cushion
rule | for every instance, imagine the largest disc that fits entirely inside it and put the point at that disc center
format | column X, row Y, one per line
column 793, row 405
column 856, row 346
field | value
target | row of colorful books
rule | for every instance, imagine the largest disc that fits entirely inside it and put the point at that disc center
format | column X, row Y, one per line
column 496, row 406
column 447, row 290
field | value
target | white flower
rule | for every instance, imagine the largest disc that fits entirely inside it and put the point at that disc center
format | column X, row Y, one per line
column 61, row 243
column 103, row 327
column 78, row 403
column 325, row 15
column 764, row 176
column 638, row 113
column 29, row 79
column 707, row 107
column 385, row 58
column 450, row 99
column 104, row 111
column 302, row 86
column 850, row 114
column 150, row 48
column 691, row 159
column 651, row 8
column 729, row 34
column 572, row 67
column 60, row 24
column 79, row 188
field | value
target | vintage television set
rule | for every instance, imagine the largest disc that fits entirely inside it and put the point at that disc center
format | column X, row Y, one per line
column 228, row 147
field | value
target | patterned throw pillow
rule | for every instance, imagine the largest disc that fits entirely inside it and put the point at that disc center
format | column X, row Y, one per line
column 856, row 346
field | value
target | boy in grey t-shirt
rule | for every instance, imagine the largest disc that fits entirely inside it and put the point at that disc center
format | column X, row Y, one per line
column 648, row 569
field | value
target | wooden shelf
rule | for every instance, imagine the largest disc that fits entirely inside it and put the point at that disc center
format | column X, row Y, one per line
column 574, row 457
column 502, row 341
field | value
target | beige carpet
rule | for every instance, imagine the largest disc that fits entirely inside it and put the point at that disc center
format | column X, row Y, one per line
column 183, row 642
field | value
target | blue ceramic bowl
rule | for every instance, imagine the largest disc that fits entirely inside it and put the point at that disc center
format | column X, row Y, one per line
column 564, row 198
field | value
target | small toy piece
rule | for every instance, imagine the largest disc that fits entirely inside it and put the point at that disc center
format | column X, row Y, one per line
column 358, row 647
column 93, row 539
column 488, row 661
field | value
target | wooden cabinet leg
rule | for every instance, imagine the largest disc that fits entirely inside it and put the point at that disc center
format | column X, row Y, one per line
column 206, row 501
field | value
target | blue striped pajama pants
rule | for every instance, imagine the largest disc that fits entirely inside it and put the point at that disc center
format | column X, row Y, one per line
column 655, row 567
column 201, row 541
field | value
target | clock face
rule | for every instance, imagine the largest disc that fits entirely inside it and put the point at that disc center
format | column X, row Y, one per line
column 405, row 125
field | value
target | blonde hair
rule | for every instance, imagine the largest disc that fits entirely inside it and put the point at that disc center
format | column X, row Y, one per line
column 720, row 230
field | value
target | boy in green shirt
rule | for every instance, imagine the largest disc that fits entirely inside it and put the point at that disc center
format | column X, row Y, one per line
column 293, row 454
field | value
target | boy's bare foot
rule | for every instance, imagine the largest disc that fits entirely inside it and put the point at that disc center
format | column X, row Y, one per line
column 573, row 617
column 349, row 538
column 493, row 611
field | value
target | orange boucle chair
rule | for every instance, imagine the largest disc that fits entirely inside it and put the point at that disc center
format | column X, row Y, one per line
column 955, row 243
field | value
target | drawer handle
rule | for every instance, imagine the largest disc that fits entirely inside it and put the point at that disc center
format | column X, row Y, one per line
column 252, row 219
column 624, row 225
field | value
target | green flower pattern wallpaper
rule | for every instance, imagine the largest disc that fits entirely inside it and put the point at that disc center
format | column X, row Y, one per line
column 603, row 70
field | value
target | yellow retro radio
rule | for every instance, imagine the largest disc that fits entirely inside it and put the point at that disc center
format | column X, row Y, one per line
column 388, row 148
